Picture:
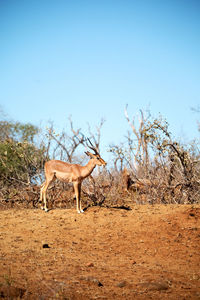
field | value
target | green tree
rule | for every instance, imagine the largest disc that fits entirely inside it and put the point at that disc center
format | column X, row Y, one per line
column 20, row 159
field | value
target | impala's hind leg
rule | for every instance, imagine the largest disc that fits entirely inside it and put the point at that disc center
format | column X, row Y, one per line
column 44, row 196
column 43, row 193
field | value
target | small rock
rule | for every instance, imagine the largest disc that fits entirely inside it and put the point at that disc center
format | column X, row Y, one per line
column 45, row 246
column 155, row 286
column 92, row 280
column 90, row 265
column 192, row 214
column 121, row 284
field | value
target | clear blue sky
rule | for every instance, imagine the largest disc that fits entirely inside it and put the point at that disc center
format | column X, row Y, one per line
column 89, row 59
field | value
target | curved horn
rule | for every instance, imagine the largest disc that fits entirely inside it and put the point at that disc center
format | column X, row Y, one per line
column 92, row 147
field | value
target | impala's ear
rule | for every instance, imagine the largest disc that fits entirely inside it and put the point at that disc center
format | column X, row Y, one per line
column 87, row 153
column 90, row 154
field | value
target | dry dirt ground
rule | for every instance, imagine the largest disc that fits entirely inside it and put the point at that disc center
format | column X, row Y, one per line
column 148, row 252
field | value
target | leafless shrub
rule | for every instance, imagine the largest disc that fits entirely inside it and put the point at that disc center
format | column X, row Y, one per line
column 97, row 188
column 154, row 167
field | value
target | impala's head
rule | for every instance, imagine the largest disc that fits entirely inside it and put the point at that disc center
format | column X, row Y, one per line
column 97, row 158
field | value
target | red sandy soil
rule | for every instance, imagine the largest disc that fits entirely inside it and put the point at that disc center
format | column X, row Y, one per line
column 149, row 252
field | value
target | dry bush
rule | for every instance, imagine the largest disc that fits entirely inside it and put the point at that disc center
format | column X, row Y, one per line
column 150, row 167
column 155, row 168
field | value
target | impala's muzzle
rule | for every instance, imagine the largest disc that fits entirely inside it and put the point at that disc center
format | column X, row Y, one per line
column 103, row 162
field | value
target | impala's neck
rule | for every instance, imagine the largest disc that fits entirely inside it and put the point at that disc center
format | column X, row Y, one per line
column 87, row 170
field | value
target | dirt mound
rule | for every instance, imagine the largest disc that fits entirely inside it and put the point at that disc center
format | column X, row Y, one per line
column 148, row 252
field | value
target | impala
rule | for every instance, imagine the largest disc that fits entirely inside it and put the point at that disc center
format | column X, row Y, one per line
column 66, row 172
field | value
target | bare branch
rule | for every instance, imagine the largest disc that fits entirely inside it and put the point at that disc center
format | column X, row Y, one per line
column 96, row 138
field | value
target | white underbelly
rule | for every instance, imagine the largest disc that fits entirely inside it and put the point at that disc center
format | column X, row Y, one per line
column 65, row 177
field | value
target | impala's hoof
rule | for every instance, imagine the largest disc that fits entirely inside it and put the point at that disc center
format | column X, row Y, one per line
column 45, row 209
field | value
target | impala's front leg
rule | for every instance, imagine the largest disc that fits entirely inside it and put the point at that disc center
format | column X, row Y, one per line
column 77, row 188
column 80, row 208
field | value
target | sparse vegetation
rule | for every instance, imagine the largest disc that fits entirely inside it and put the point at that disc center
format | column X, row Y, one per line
column 158, row 168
